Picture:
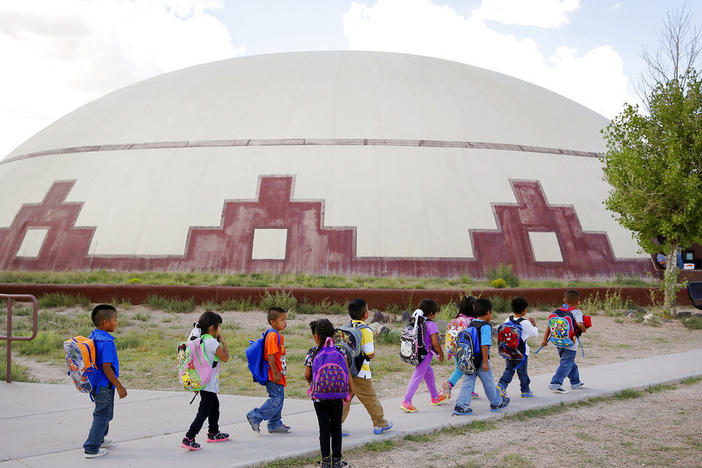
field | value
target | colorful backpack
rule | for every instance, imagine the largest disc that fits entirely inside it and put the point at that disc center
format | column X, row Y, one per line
column 255, row 355
column 330, row 378
column 81, row 362
column 468, row 355
column 194, row 368
column 348, row 339
column 455, row 327
column 509, row 340
column 562, row 328
column 412, row 348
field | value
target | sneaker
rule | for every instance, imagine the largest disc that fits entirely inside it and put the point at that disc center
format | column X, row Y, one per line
column 528, row 394
column 558, row 389
column 218, row 437
column 189, row 444
column 282, row 429
column 437, row 401
column 254, row 426
column 459, row 411
column 106, row 443
column 577, row 385
column 446, row 389
column 500, row 390
column 407, row 407
column 474, row 395
column 100, row 453
column 339, row 463
column 503, row 404
column 325, row 462
column 380, row 430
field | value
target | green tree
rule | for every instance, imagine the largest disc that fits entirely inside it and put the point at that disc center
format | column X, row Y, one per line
column 654, row 164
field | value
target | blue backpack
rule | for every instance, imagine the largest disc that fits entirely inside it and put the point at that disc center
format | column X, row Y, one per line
column 255, row 355
column 468, row 355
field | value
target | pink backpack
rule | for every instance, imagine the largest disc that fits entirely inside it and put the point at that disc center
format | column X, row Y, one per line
column 194, row 369
column 454, row 328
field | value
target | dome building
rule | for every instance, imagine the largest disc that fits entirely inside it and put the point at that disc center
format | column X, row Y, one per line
column 349, row 163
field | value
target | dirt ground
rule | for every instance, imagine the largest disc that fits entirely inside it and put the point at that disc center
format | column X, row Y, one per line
column 657, row 429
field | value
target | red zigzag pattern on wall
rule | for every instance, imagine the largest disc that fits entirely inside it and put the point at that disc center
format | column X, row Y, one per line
column 313, row 248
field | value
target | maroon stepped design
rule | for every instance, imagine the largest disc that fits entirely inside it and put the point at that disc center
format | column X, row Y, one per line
column 312, row 247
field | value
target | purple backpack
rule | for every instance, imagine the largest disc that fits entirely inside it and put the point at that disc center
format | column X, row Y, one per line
column 330, row 375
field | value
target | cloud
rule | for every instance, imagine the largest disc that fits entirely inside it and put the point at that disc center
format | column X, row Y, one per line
column 616, row 6
column 541, row 13
column 58, row 56
column 594, row 78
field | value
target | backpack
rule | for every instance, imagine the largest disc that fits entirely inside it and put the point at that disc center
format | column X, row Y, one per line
column 510, row 344
column 455, row 327
column 194, row 368
column 330, row 378
column 562, row 328
column 412, row 347
column 81, row 362
column 348, row 339
column 468, row 355
column 255, row 355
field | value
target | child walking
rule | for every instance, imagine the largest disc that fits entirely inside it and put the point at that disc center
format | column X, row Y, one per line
column 328, row 411
column 277, row 370
column 519, row 308
column 104, row 317
column 208, row 329
column 567, row 367
column 483, row 312
column 428, row 309
column 462, row 321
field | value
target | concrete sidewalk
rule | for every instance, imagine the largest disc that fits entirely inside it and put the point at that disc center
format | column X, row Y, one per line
column 44, row 425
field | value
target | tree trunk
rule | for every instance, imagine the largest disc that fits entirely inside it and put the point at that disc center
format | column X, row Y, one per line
column 670, row 282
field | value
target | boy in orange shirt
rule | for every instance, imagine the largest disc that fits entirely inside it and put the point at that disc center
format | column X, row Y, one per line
column 275, row 355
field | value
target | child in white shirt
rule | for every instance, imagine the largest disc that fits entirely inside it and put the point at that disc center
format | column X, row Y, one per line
column 519, row 307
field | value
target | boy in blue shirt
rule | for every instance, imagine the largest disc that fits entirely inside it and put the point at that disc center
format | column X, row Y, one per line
column 104, row 317
column 483, row 312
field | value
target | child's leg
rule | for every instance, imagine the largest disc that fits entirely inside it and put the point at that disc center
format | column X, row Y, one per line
column 366, row 393
column 431, row 383
column 417, row 378
column 213, row 417
column 104, row 405
column 464, row 397
column 271, row 409
column 523, row 375
column 564, row 367
column 336, row 407
column 323, row 409
column 508, row 374
column 489, row 385
column 456, row 376
column 203, row 412
column 574, row 374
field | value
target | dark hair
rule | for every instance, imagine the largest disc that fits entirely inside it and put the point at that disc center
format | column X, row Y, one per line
column 428, row 306
column 519, row 304
column 357, row 308
column 324, row 329
column 482, row 307
column 275, row 312
column 208, row 319
column 466, row 307
column 571, row 296
column 102, row 312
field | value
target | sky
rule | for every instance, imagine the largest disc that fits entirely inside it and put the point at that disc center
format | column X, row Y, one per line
column 58, row 55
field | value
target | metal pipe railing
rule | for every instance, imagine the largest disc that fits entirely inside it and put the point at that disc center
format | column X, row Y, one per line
column 9, row 338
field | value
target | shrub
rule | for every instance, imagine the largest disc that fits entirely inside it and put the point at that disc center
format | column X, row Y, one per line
column 503, row 272
column 170, row 304
column 18, row 373
column 390, row 338
column 498, row 283
column 499, row 304
column 44, row 343
column 238, row 304
column 693, row 323
column 62, row 300
column 280, row 299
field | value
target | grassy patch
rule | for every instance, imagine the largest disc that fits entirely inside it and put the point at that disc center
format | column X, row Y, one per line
column 419, row 437
column 503, row 272
column 171, row 304
column 691, row 380
column 514, row 460
column 660, row 388
column 142, row 317
column 380, row 446
column 238, row 304
column 627, row 394
column 693, row 323
column 62, row 300
column 18, row 373
column 46, row 342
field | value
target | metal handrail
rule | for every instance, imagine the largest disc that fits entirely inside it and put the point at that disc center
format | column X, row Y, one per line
column 35, row 322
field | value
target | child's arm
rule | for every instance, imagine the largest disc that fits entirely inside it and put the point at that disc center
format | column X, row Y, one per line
column 437, row 346
column 110, row 374
column 352, row 390
column 222, row 351
column 484, row 351
column 277, row 376
column 547, row 333
column 308, row 374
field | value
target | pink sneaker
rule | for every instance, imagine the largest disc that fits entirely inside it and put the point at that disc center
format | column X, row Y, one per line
column 437, row 401
column 475, row 395
column 446, row 389
column 407, row 407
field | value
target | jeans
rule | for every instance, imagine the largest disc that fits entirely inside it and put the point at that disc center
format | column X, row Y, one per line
column 329, row 418
column 423, row 371
column 102, row 415
column 272, row 408
column 488, row 381
column 208, row 409
column 567, row 368
column 507, row 375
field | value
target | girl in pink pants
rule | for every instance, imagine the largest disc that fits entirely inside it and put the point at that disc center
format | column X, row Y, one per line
column 428, row 308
